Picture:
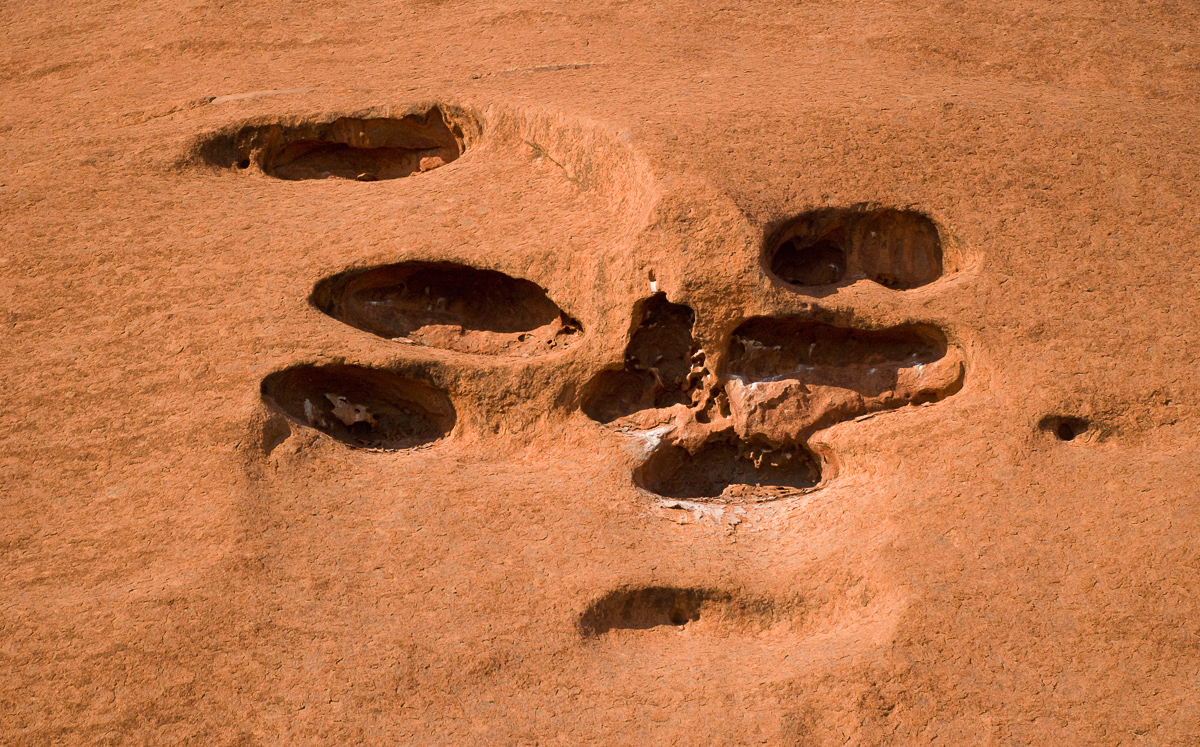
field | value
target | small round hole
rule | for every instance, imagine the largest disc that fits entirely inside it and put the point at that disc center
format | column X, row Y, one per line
column 1064, row 428
column 244, row 163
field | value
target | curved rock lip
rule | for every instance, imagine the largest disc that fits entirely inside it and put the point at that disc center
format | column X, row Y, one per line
column 359, row 148
column 449, row 306
column 367, row 408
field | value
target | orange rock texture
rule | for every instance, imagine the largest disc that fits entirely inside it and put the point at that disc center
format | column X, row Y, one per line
column 600, row 373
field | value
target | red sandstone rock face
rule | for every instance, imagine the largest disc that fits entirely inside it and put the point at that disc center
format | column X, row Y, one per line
column 693, row 374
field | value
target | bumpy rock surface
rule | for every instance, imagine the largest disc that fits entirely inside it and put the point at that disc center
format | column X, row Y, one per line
column 580, row 373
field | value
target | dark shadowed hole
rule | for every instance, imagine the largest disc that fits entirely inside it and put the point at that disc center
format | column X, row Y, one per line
column 865, row 361
column 448, row 306
column 821, row 263
column 755, row 471
column 614, row 394
column 899, row 249
column 363, row 149
column 1064, row 428
column 362, row 407
column 314, row 159
column 649, row 608
column 658, row 365
column 645, row 608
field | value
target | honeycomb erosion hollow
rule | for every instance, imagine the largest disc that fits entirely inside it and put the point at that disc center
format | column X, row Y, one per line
column 731, row 468
column 634, row 612
column 899, row 249
column 660, row 364
column 451, row 306
column 363, row 407
column 370, row 149
column 186, row 563
column 864, row 360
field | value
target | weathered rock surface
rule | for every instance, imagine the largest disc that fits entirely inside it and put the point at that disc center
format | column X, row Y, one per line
column 626, row 374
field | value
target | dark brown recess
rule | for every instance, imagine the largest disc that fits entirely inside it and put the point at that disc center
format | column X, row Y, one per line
column 729, row 467
column 900, row 249
column 365, row 149
column 867, row 361
column 660, row 368
column 363, row 407
column 449, row 306
column 644, row 608
column 1064, row 427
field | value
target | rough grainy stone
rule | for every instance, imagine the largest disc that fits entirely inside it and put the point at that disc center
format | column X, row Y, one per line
column 904, row 452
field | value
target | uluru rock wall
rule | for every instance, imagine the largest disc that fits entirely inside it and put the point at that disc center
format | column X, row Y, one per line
column 660, row 374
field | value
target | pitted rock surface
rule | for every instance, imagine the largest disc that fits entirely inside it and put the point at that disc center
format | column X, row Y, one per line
column 789, row 373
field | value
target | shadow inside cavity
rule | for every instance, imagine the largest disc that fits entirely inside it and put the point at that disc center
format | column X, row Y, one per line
column 818, row 354
column 658, row 367
column 754, row 471
column 899, row 249
column 449, row 306
column 363, row 149
column 716, row 611
column 315, row 159
column 1065, row 427
column 362, row 407
column 642, row 609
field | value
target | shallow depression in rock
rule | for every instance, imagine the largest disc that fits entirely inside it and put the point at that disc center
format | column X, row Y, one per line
column 661, row 366
column 900, row 249
column 729, row 468
column 647, row 610
column 451, row 306
column 365, row 149
column 363, row 407
column 643, row 608
column 866, row 361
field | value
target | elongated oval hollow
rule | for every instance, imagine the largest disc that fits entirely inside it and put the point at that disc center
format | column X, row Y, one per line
column 868, row 361
column 644, row 608
column 728, row 468
column 450, row 306
column 363, row 149
column 900, row 249
column 363, row 407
